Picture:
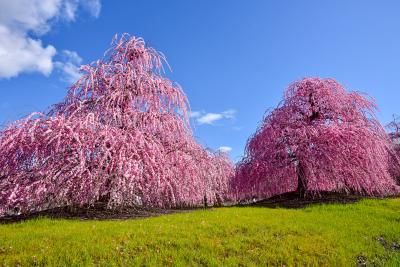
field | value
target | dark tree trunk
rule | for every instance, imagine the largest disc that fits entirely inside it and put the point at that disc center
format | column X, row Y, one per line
column 205, row 201
column 301, row 177
column 301, row 181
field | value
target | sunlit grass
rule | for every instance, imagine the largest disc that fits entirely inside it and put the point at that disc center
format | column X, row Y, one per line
column 321, row 235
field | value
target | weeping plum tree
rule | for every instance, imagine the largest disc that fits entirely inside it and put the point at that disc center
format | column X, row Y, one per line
column 321, row 138
column 394, row 126
column 121, row 136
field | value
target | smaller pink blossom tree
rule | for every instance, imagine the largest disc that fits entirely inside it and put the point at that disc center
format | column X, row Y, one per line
column 321, row 138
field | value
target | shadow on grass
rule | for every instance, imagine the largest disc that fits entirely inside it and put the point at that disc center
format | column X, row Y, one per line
column 292, row 200
column 99, row 211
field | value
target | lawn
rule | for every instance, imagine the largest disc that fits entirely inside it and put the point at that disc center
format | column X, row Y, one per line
column 367, row 232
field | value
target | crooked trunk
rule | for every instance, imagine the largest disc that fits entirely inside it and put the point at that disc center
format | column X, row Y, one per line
column 301, row 177
column 205, row 201
column 301, row 181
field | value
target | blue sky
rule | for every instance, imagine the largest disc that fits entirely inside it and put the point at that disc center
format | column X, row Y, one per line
column 233, row 58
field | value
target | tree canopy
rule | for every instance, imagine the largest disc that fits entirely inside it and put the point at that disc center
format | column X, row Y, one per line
column 121, row 135
column 321, row 138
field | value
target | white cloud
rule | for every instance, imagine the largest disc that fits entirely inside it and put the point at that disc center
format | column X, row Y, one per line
column 22, row 22
column 225, row 149
column 195, row 114
column 70, row 66
column 209, row 118
column 70, row 8
column 93, row 6
column 229, row 114
column 23, row 54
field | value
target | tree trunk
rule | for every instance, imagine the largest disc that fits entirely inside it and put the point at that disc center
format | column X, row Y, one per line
column 218, row 200
column 205, row 201
column 301, row 181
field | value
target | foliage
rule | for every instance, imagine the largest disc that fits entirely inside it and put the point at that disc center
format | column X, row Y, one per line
column 395, row 137
column 395, row 126
column 321, row 138
column 121, row 135
column 321, row 235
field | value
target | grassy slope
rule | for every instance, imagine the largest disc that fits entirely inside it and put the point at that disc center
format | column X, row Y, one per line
column 333, row 235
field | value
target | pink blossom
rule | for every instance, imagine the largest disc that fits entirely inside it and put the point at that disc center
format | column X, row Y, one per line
column 121, row 135
column 321, row 138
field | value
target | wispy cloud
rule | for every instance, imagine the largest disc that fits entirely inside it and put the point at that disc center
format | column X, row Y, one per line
column 195, row 114
column 69, row 66
column 22, row 23
column 210, row 118
column 229, row 114
column 93, row 6
column 225, row 149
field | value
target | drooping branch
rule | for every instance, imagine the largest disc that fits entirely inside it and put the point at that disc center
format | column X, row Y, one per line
column 321, row 138
column 121, row 135
column 394, row 136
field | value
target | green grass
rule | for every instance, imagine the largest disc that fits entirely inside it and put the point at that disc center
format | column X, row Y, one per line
column 321, row 235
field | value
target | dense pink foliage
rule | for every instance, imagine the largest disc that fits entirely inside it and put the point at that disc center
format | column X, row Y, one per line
column 121, row 135
column 395, row 138
column 321, row 138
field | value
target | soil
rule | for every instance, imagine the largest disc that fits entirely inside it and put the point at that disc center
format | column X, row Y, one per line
column 99, row 210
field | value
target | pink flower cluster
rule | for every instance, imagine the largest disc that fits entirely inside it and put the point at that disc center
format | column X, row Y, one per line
column 121, row 136
column 321, row 138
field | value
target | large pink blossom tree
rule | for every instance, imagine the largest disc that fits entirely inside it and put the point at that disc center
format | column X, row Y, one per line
column 321, row 138
column 121, row 135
